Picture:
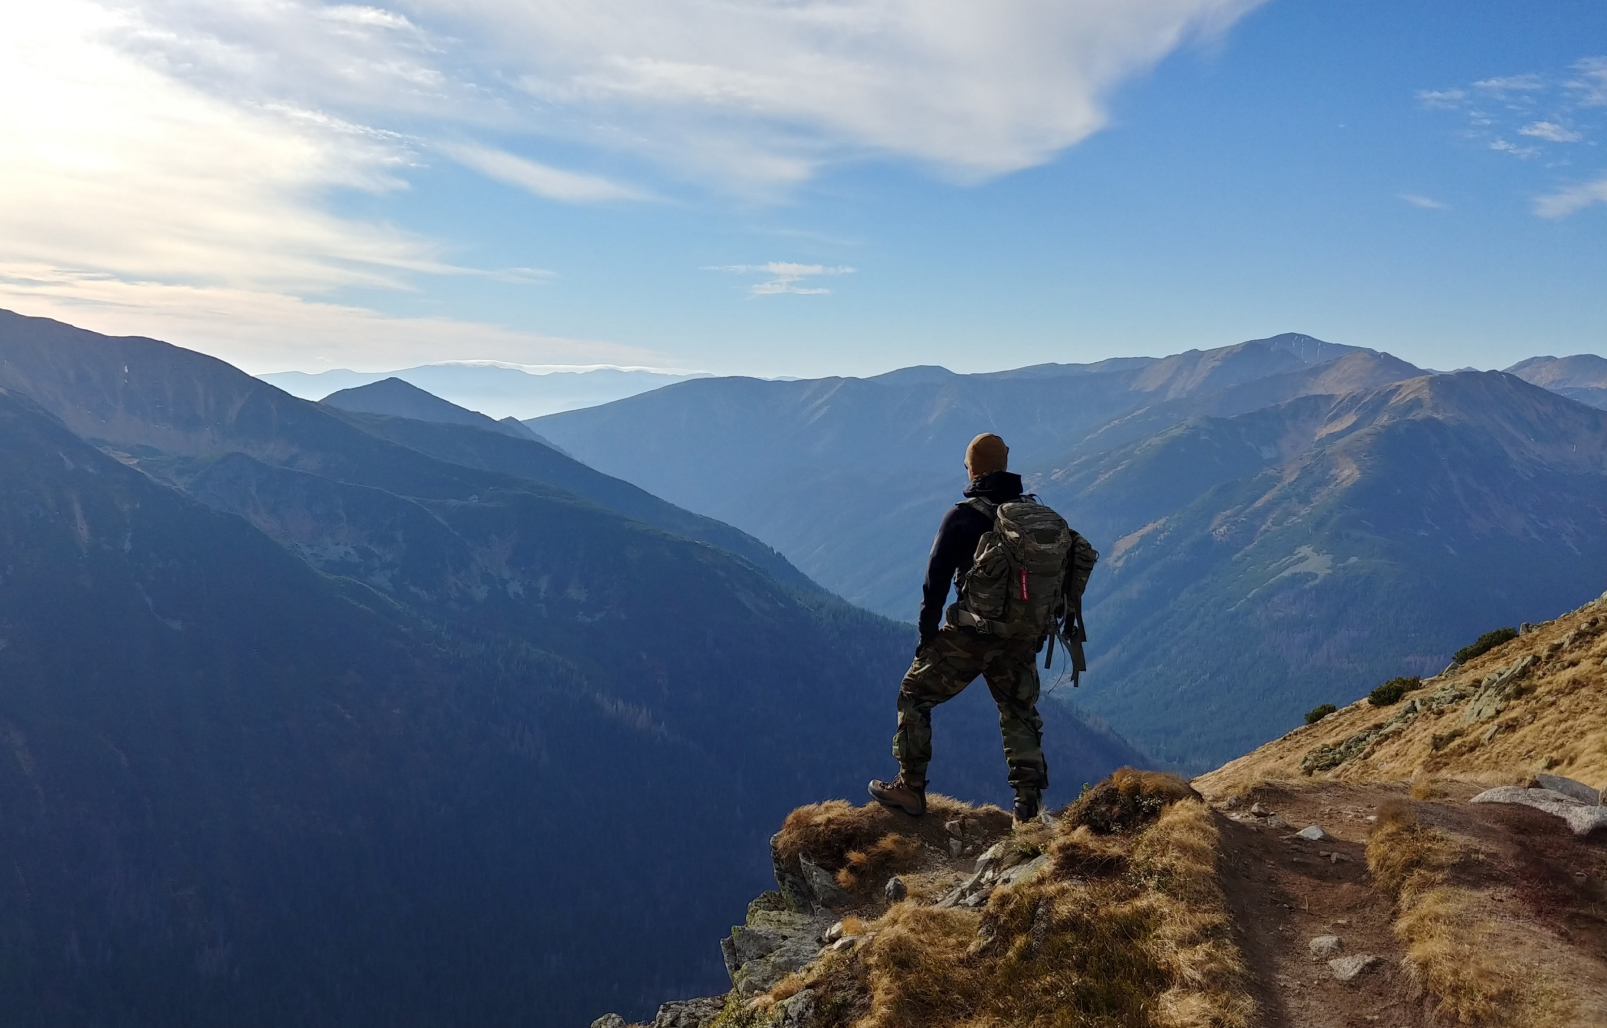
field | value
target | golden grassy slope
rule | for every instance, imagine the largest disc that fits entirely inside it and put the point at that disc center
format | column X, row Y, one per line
column 1556, row 721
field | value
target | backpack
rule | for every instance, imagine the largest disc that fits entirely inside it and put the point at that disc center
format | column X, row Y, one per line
column 1027, row 579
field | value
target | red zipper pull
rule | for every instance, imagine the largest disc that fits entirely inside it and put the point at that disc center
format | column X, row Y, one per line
column 1023, row 585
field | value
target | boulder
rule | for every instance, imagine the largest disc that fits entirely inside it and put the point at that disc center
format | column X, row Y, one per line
column 1582, row 818
column 1496, row 689
column 1326, row 946
column 609, row 1021
column 1312, row 833
column 896, row 889
column 1568, row 787
column 770, row 946
column 822, row 885
column 689, row 1013
column 1348, row 968
column 796, row 1010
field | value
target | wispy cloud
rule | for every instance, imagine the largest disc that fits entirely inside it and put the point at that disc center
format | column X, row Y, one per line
column 1510, row 84
column 1525, row 152
column 540, row 179
column 784, row 277
column 1442, row 99
column 1551, row 132
column 1571, row 199
column 1591, row 85
column 1427, row 203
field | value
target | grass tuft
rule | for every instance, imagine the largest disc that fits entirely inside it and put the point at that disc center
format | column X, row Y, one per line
column 1127, row 800
column 1392, row 691
column 1319, row 712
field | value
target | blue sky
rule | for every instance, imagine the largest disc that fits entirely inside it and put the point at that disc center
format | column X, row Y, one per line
column 808, row 188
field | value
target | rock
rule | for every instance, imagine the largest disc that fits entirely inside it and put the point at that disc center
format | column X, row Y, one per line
column 1582, row 818
column 1274, row 821
column 833, row 933
column 1568, row 787
column 896, row 889
column 954, row 847
column 953, row 828
column 1347, row 968
column 822, row 885
column 794, row 889
column 796, row 1009
column 1338, row 858
column 1312, row 833
column 689, row 1013
column 771, row 945
column 1258, row 810
column 1326, row 946
column 1496, row 689
column 1230, row 802
column 609, row 1021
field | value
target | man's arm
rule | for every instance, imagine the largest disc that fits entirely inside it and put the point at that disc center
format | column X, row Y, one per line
column 954, row 546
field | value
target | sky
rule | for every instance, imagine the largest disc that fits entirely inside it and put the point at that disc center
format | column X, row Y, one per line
column 806, row 187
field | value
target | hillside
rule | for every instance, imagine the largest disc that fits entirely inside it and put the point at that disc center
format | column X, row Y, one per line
column 398, row 399
column 1271, row 514
column 1582, row 377
column 1275, row 892
column 1259, row 565
column 304, row 719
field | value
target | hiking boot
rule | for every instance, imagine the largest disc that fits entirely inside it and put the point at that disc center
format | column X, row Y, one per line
column 900, row 794
column 1028, row 803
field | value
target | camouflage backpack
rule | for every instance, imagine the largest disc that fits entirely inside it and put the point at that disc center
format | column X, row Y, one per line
column 1027, row 578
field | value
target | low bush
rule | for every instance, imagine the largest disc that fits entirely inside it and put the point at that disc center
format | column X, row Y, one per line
column 1316, row 714
column 1392, row 690
column 1485, row 643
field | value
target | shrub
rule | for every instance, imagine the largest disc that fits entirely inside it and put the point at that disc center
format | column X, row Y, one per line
column 1485, row 643
column 1316, row 714
column 1392, row 690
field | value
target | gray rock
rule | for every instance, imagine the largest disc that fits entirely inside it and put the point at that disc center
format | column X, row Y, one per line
column 822, row 886
column 1568, row 787
column 954, row 847
column 1582, row 818
column 1326, row 946
column 1276, row 822
column 1496, row 689
column 609, row 1021
column 790, row 880
column 895, row 889
column 689, row 1013
column 771, row 945
column 1348, row 968
column 1312, row 833
column 1258, row 810
column 796, row 1009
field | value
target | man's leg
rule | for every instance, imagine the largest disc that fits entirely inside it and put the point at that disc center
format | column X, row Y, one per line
column 1012, row 676
column 940, row 672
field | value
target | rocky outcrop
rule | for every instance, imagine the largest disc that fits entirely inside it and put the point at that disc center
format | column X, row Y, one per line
column 1581, row 816
column 772, row 943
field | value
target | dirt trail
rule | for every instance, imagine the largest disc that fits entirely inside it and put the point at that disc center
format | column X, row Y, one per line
column 1551, row 887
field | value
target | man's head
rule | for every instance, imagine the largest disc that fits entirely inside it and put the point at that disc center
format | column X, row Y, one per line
column 987, row 453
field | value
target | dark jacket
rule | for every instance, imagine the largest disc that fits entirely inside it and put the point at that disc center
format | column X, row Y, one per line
column 955, row 545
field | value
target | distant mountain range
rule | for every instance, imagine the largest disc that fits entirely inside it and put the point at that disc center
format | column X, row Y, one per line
column 498, row 390
column 326, row 717
column 1582, row 377
column 1282, row 520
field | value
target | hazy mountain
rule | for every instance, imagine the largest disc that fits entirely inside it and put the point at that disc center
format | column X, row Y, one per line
column 848, row 477
column 399, row 399
column 500, row 390
column 1218, row 484
column 313, row 727
column 1256, row 566
column 1582, row 377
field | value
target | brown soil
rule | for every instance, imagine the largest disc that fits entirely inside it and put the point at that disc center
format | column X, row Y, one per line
column 1547, row 886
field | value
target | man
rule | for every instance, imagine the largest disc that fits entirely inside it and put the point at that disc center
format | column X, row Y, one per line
column 950, row 657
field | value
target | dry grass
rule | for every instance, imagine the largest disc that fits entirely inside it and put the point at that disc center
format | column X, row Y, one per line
column 830, row 831
column 1558, row 723
column 1123, row 930
column 1127, row 799
column 863, row 870
column 1450, row 949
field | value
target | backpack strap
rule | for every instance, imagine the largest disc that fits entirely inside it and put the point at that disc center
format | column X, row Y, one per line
column 987, row 508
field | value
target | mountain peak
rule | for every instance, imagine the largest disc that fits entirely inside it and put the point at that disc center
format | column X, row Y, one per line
column 396, row 398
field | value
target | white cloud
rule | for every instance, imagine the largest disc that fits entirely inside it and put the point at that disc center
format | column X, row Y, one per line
column 262, row 331
column 1441, row 99
column 1551, row 132
column 182, row 162
column 1591, row 85
column 1572, row 199
column 1427, row 203
column 1511, row 84
column 1514, row 149
column 540, row 179
column 784, row 277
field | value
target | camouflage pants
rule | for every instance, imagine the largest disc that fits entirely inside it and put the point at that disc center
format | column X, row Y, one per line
column 942, row 670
